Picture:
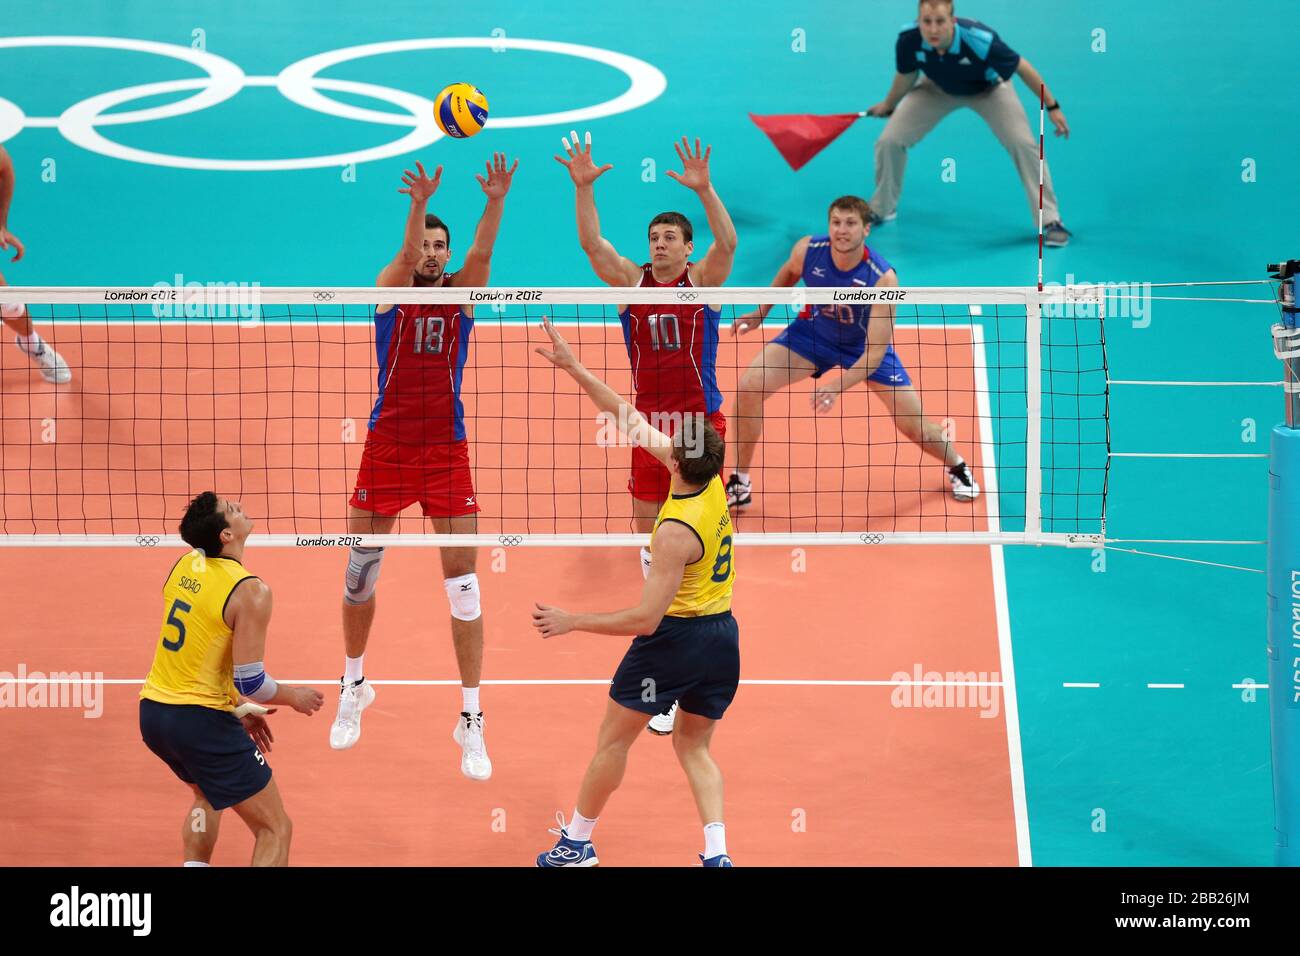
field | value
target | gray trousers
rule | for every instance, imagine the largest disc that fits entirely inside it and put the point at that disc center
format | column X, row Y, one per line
column 921, row 109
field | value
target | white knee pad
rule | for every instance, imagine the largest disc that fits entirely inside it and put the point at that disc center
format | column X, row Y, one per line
column 362, row 575
column 462, row 595
column 645, row 563
column 12, row 310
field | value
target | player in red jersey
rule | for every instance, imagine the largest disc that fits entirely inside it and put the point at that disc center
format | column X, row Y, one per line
column 673, row 348
column 416, row 450
column 14, row 315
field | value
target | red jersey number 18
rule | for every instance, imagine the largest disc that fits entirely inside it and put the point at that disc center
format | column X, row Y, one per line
column 428, row 335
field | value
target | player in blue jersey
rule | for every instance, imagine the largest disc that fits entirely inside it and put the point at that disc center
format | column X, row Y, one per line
column 856, row 338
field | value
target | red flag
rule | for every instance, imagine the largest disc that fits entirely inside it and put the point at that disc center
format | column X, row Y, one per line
column 801, row 136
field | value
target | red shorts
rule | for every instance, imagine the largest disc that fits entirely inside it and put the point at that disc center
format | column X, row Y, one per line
column 391, row 479
column 650, row 480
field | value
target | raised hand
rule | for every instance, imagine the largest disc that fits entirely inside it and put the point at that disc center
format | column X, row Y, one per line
column 499, row 178
column 695, row 166
column 562, row 357
column 420, row 186
column 581, row 169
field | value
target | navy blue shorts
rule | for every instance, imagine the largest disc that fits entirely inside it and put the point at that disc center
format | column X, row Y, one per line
column 693, row 661
column 801, row 338
column 205, row 747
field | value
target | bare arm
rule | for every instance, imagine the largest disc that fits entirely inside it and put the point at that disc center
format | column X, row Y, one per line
column 880, row 333
column 675, row 547
column 1034, row 80
column 612, row 268
column 248, row 612
column 419, row 187
column 611, row 404
column 6, row 185
column 7, row 238
column 789, row 274
column 716, row 264
column 478, row 261
column 903, row 82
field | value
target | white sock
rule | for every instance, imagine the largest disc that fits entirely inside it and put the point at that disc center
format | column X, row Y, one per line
column 715, row 840
column 580, row 828
column 352, row 669
column 469, row 700
column 743, row 476
column 196, row 863
column 645, row 563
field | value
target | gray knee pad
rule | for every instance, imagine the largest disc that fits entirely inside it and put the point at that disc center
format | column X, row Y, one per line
column 362, row 574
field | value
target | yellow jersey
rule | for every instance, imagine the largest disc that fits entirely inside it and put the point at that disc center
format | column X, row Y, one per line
column 706, row 585
column 193, row 662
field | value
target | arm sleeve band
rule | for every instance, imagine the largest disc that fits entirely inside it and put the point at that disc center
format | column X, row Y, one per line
column 253, row 682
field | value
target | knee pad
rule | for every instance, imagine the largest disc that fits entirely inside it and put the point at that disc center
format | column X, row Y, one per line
column 362, row 575
column 645, row 563
column 462, row 595
column 12, row 310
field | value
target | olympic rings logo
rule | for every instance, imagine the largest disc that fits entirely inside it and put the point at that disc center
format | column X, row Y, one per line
column 300, row 83
column 511, row 540
column 323, row 296
column 872, row 537
column 147, row 540
column 687, row 296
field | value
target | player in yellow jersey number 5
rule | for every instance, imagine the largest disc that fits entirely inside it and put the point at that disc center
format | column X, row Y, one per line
column 688, row 651
column 201, row 707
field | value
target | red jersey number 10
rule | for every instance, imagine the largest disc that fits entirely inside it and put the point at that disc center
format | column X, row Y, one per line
column 664, row 331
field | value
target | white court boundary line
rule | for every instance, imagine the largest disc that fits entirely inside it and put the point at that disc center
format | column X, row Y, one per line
column 1010, row 704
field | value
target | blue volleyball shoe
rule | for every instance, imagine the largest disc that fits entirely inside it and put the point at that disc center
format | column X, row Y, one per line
column 720, row 860
column 568, row 852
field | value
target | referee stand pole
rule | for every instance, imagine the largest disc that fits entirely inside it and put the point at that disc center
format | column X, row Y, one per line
column 1284, row 578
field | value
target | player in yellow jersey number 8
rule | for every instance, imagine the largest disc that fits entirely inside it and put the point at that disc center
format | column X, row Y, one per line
column 688, row 650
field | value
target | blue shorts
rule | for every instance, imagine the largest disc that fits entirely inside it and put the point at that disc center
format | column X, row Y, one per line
column 205, row 747
column 801, row 338
column 693, row 661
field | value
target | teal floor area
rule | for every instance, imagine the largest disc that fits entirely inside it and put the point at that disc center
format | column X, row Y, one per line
column 1180, row 167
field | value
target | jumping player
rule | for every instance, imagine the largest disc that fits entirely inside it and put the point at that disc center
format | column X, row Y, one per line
column 856, row 338
column 50, row 363
column 416, row 451
column 689, row 648
column 209, row 655
column 673, row 348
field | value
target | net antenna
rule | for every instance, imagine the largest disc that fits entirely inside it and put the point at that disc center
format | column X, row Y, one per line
column 1284, row 575
column 265, row 395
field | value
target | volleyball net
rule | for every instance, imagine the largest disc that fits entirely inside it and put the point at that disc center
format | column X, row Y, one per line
column 265, row 395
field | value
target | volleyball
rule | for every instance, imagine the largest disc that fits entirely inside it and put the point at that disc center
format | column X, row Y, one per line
column 460, row 110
